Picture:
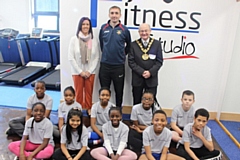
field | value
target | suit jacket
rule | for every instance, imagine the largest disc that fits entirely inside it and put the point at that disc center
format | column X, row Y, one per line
column 138, row 65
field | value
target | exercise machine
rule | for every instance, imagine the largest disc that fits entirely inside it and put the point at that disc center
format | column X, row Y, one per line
column 32, row 70
column 52, row 79
column 6, row 67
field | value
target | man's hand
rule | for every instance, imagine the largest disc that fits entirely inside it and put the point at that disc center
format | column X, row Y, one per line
column 146, row 74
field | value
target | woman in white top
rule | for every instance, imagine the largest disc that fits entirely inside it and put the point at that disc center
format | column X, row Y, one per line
column 83, row 55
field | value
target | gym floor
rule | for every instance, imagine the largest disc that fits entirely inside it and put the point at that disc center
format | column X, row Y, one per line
column 6, row 114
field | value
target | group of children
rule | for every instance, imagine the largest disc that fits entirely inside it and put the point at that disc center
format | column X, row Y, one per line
column 147, row 138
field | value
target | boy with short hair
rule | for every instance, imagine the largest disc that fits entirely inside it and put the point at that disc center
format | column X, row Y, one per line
column 196, row 142
column 17, row 124
column 182, row 115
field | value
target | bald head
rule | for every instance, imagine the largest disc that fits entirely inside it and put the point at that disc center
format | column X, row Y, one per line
column 144, row 31
column 144, row 25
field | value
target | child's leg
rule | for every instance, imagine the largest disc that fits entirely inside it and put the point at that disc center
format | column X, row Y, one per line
column 58, row 155
column 182, row 152
column 17, row 125
column 100, row 153
column 14, row 147
column 127, row 155
column 135, row 140
column 143, row 157
column 204, row 153
column 174, row 157
column 86, row 156
column 45, row 153
column 175, row 136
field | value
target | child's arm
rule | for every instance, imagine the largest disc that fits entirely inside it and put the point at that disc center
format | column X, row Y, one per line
column 65, row 151
column 49, row 105
column 39, row 148
column 207, row 144
column 164, row 153
column 176, row 128
column 149, row 153
column 189, row 151
column 47, row 113
column 80, row 153
column 94, row 127
column 141, row 127
column 60, row 123
column 22, row 146
column 29, row 114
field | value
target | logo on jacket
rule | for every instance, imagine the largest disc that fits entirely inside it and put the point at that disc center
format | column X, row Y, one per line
column 119, row 32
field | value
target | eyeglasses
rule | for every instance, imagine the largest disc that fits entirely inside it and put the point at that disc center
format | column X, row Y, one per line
column 147, row 99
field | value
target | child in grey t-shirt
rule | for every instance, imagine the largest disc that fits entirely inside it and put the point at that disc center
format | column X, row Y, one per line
column 157, row 138
column 74, row 138
column 17, row 124
column 99, row 111
column 196, row 142
column 115, row 134
column 37, row 141
column 141, row 116
column 182, row 115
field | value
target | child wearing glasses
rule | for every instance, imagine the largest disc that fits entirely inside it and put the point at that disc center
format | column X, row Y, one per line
column 141, row 116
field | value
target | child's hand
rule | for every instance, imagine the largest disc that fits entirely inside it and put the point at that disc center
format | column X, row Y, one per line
column 197, row 133
column 29, row 157
column 22, row 157
column 113, row 157
column 135, row 128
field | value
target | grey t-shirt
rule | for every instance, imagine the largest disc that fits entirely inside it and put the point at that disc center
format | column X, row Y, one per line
column 63, row 109
column 40, row 130
column 181, row 117
column 156, row 142
column 47, row 101
column 100, row 113
column 194, row 141
column 144, row 117
column 75, row 145
column 115, row 136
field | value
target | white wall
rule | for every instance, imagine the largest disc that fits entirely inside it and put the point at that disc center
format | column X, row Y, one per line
column 15, row 14
column 231, row 101
column 206, row 76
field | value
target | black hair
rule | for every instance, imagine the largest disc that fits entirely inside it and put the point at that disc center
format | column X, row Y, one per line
column 202, row 112
column 104, row 88
column 119, row 109
column 149, row 92
column 161, row 112
column 33, row 106
column 188, row 92
column 71, row 113
column 70, row 88
column 40, row 81
column 80, row 26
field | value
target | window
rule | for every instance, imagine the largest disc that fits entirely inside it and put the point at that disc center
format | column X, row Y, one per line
column 45, row 14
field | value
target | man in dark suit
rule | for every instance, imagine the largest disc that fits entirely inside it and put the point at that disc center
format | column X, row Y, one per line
column 145, row 59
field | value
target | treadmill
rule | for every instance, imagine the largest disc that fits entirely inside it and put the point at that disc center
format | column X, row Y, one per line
column 52, row 79
column 6, row 67
column 32, row 70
